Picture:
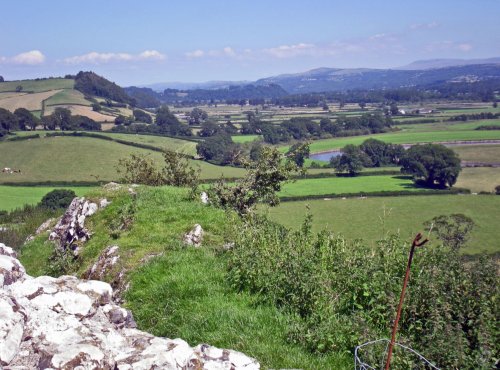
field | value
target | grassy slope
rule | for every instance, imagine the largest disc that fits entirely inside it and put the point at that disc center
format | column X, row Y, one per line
column 363, row 218
column 38, row 86
column 340, row 185
column 245, row 138
column 67, row 96
column 78, row 159
column 12, row 197
column 183, row 293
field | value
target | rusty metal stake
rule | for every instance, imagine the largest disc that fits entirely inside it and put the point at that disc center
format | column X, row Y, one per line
column 416, row 243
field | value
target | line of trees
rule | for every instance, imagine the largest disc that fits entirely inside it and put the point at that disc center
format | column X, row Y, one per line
column 430, row 165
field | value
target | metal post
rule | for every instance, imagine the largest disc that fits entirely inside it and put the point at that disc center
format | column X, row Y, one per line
column 416, row 243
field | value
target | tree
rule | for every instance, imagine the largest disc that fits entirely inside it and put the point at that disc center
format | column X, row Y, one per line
column 141, row 116
column 214, row 147
column 25, row 119
column 453, row 230
column 298, row 153
column 96, row 107
column 57, row 199
column 62, row 117
column 362, row 105
column 197, row 116
column 351, row 161
column 495, row 104
column 169, row 124
column 1, row 79
column 262, row 182
column 432, row 164
column 209, row 128
column 394, row 109
column 8, row 121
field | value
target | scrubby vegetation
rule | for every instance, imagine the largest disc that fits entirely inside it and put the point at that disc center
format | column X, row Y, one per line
column 344, row 293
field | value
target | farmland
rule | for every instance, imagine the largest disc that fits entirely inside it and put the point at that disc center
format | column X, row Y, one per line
column 68, row 159
column 344, row 185
column 31, row 102
column 12, row 197
column 374, row 217
column 36, row 86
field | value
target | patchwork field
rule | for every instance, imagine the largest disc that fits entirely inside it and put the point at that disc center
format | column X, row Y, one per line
column 364, row 218
column 29, row 101
column 478, row 153
column 403, row 137
column 12, row 197
column 83, row 111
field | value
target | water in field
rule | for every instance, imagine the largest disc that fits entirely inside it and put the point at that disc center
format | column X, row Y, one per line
column 325, row 156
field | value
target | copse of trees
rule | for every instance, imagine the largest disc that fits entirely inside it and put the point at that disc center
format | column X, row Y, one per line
column 90, row 83
column 61, row 118
column 26, row 120
column 197, row 116
column 432, row 164
column 8, row 121
column 168, row 123
column 141, row 116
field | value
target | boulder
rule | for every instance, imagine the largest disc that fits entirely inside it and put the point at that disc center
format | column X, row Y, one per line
column 195, row 236
column 204, row 198
column 70, row 230
column 69, row 323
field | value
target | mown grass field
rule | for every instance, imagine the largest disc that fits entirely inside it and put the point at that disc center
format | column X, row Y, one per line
column 38, row 86
column 364, row 218
column 12, row 197
column 79, row 159
column 479, row 153
column 479, row 179
column 343, row 185
column 184, row 292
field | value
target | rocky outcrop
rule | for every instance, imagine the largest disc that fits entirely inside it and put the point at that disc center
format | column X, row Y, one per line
column 68, row 323
column 70, row 231
column 195, row 236
column 107, row 268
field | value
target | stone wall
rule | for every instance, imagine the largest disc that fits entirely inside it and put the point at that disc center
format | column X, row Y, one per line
column 69, row 323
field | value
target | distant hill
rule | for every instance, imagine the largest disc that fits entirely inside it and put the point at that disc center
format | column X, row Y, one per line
column 441, row 63
column 335, row 79
column 209, row 85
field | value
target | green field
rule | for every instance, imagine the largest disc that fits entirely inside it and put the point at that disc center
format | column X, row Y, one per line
column 404, row 137
column 448, row 126
column 343, row 185
column 364, row 218
column 245, row 138
column 67, row 97
column 12, row 197
column 38, row 86
column 79, row 159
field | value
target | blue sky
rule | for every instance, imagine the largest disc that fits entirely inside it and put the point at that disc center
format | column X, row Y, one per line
column 147, row 41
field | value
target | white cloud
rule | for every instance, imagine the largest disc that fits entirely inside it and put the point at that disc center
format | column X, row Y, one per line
column 425, row 26
column 464, row 47
column 288, row 51
column 32, row 57
column 229, row 52
column 195, row 54
column 152, row 55
column 98, row 58
column 448, row 46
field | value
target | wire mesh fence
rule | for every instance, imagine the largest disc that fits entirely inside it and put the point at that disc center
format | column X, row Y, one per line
column 372, row 356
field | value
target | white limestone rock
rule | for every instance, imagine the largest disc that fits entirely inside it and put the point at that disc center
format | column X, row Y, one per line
column 195, row 236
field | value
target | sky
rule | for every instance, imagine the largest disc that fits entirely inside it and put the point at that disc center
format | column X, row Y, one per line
column 149, row 41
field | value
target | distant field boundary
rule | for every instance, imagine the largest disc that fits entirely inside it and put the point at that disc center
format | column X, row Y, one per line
column 35, row 184
column 452, row 191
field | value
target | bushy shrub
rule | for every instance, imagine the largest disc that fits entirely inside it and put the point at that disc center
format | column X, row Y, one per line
column 344, row 294
column 58, row 198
